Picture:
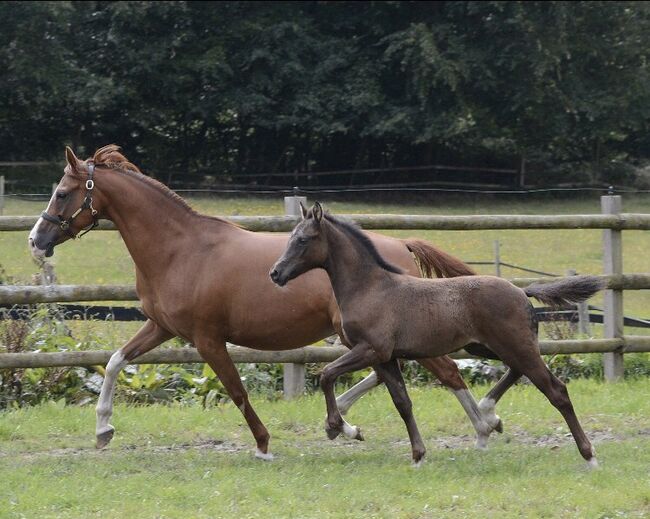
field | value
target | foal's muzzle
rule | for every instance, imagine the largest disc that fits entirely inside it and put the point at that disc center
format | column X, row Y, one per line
column 277, row 277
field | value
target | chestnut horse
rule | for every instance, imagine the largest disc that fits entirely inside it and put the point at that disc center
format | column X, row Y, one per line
column 205, row 280
column 387, row 315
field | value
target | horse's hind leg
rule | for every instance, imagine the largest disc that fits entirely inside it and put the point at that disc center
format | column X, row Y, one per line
column 446, row 370
column 216, row 355
column 147, row 338
column 392, row 377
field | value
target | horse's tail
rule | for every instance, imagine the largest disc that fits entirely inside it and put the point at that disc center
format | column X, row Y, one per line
column 568, row 291
column 432, row 260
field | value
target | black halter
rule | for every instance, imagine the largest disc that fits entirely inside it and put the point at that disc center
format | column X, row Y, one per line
column 87, row 204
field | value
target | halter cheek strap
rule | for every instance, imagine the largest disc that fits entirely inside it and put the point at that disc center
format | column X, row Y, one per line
column 87, row 204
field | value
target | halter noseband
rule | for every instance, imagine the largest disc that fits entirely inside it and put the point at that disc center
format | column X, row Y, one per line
column 87, row 204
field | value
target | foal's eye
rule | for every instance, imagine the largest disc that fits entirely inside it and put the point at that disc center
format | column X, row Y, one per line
column 302, row 240
column 61, row 195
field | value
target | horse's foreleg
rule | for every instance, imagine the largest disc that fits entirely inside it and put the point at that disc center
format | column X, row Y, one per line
column 361, row 356
column 392, row 377
column 216, row 355
column 147, row 338
column 446, row 370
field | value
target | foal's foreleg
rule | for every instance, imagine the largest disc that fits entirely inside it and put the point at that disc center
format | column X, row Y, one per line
column 392, row 377
column 216, row 355
column 147, row 338
column 359, row 357
column 347, row 399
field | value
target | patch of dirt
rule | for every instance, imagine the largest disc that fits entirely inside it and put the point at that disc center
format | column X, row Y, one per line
column 464, row 441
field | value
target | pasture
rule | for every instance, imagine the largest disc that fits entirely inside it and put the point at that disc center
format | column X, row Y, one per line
column 174, row 461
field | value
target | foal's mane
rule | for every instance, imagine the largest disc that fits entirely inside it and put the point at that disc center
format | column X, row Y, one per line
column 110, row 157
column 355, row 232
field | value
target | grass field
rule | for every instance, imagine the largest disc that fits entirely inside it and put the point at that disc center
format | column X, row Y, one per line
column 189, row 462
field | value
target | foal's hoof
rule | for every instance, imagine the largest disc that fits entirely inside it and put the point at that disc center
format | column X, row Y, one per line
column 417, row 463
column 499, row 426
column 332, row 433
column 103, row 439
column 265, row 456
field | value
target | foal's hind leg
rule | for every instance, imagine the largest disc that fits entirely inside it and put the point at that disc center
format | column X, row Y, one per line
column 147, row 338
column 392, row 377
column 529, row 363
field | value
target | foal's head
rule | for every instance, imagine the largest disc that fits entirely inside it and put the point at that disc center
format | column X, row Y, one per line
column 75, row 204
column 306, row 250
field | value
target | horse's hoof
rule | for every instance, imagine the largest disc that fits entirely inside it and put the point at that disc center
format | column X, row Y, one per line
column 103, row 439
column 359, row 436
column 592, row 464
column 266, row 456
column 499, row 426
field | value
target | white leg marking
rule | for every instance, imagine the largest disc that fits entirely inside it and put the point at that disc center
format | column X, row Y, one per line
column 486, row 407
column 352, row 431
column 417, row 464
column 105, row 403
column 262, row 456
column 592, row 464
column 345, row 401
column 481, row 426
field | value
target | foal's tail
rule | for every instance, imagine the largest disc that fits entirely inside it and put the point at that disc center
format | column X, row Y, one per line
column 568, row 291
column 432, row 260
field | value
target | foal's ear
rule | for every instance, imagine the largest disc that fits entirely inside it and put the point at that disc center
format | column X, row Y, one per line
column 303, row 211
column 72, row 159
column 317, row 211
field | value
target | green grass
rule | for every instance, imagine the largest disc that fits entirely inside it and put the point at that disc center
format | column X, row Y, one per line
column 189, row 462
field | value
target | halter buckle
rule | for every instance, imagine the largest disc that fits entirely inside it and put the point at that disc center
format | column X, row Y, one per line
column 90, row 184
column 64, row 225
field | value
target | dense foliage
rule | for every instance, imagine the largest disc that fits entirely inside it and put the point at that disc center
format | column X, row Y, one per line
column 238, row 87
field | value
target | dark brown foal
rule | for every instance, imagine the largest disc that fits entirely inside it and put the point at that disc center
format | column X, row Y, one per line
column 387, row 315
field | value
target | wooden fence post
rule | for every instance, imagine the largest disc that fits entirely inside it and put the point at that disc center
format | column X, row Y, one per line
column 613, row 308
column 497, row 258
column 294, row 374
column 2, row 194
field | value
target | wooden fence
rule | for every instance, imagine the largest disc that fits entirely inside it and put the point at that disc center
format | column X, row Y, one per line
column 614, row 345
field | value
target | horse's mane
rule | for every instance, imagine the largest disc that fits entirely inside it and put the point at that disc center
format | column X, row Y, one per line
column 110, row 157
column 355, row 232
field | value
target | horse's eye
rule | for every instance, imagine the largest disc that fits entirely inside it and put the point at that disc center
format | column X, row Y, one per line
column 61, row 195
column 302, row 240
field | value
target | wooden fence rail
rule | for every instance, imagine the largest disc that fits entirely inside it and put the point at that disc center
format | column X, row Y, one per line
column 32, row 294
column 627, row 344
column 623, row 221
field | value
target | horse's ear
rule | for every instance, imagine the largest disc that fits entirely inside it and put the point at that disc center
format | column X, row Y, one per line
column 303, row 211
column 72, row 158
column 317, row 211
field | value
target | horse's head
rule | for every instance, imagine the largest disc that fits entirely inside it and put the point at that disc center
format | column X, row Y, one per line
column 306, row 249
column 72, row 208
